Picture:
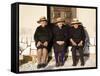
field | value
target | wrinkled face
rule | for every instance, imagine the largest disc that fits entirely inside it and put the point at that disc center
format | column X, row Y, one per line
column 75, row 25
column 43, row 23
column 60, row 24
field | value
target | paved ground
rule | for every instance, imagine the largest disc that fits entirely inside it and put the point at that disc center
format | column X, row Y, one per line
column 30, row 66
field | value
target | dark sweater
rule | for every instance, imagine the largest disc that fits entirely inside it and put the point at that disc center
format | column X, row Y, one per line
column 60, row 34
column 77, row 34
column 42, row 34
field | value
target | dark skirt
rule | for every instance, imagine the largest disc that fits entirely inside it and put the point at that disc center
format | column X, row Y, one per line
column 59, row 51
column 59, row 47
column 41, row 46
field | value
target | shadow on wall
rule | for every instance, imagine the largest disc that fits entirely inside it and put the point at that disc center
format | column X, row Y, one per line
column 86, row 46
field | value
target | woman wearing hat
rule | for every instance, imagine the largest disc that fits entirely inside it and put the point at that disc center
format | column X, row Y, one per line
column 42, row 37
column 77, row 38
column 60, row 37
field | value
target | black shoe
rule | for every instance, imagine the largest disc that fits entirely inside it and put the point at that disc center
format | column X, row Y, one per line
column 74, row 65
column 43, row 65
column 39, row 66
column 82, row 64
column 61, row 64
column 57, row 65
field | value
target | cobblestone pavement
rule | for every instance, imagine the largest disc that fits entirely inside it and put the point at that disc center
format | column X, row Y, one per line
column 90, row 62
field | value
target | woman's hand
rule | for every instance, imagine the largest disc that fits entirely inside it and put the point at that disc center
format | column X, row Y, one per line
column 80, row 44
column 45, row 43
column 60, row 42
column 73, row 43
column 39, row 43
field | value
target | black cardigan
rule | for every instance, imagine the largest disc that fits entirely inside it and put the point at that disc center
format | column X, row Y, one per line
column 77, row 34
column 42, row 34
column 60, row 34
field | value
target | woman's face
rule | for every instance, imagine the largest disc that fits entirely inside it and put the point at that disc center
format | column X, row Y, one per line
column 60, row 24
column 75, row 25
column 43, row 23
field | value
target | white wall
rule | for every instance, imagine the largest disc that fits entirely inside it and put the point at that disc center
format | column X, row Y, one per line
column 28, row 17
column 88, row 18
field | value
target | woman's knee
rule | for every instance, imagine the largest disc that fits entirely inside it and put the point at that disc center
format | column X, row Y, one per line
column 45, row 49
column 39, row 51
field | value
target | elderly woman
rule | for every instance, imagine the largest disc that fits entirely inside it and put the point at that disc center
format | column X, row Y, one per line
column 60, row 36
column 42, row 37
column 77, row 38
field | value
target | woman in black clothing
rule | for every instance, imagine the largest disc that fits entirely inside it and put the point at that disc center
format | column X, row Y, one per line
column 60, row 37
column 42, row 37
column 77, row 38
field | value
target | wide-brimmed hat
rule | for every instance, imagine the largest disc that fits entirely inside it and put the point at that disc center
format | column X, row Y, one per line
column 59, row 19
column 75, row 21
column 42, row 19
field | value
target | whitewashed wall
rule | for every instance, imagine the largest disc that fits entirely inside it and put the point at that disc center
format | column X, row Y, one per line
column 28, row 17
column 88, row 18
